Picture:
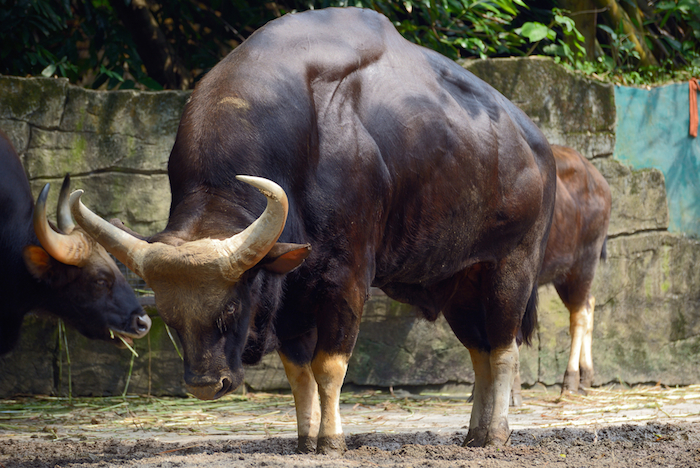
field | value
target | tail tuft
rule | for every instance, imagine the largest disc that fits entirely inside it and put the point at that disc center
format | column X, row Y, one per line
column 604, row 250
column 529, row 323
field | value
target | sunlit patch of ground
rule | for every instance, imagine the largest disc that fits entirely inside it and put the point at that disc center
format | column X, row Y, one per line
column 261, row 415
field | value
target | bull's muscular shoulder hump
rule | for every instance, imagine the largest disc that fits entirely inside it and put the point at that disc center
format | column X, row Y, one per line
column 316, row 70
column 325, row 40
column 265, row 81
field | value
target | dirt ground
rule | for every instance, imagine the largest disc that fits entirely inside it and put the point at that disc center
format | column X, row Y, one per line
column 639, row 427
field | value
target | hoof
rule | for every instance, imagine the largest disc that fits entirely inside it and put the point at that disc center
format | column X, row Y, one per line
column 570, row 384
column 498, row 440
column 568, row 392
column 587, row 378
column 331, row 445
column 306, row 444
column 475, row 438
column 498, row 436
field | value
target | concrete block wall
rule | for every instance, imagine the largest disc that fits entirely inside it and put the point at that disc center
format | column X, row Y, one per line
column 116, row 146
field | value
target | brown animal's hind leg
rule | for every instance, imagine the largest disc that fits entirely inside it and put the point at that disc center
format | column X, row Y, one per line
column 586, row 365
column 305, row 391
column 578, row 320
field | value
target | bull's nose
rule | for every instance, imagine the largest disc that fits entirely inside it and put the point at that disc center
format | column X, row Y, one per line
column 211, row 392
column 141, row 324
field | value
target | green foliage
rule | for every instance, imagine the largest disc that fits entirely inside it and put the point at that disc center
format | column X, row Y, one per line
column 82, row 41
column 457, row 28
column 557, row 44
column 683, row 15
column 85, row 42
column 673, row 31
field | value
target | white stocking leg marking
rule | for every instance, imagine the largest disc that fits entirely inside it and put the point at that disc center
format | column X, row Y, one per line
column 329, row 371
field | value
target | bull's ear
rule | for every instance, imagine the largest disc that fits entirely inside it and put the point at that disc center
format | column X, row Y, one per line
column 38, row 261
column 284, row 258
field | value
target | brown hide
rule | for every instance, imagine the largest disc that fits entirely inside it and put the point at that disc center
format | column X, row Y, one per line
column 403, row 171
column 576, row 242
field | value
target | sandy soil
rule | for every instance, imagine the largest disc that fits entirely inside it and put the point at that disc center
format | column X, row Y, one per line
column 609, row 427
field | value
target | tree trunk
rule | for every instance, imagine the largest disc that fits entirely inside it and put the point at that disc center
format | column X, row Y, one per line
column 583, row 13
column 618, row 16
column 637, row 15
column 157, row 54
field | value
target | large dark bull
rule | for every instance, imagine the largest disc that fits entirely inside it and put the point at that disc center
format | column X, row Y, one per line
column 65, row 273
column 392, row 166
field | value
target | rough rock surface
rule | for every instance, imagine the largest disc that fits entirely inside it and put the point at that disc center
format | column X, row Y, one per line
column 116, row 146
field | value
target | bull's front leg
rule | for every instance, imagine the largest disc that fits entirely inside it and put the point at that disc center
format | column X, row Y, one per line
column 494, row 372
column 305, row 391
column 329, row 371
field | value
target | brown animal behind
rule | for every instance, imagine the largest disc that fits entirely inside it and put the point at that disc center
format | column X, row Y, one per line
column 576, row 243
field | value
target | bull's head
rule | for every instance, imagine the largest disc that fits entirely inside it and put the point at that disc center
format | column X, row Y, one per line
column 195, row 285
column 89, row 291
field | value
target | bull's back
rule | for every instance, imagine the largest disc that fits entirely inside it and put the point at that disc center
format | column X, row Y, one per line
column 356, row 123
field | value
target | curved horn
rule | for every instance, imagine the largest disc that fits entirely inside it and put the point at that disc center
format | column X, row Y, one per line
column 63, row 216
column 71, row 250
column 121, row 244
column 251, row 245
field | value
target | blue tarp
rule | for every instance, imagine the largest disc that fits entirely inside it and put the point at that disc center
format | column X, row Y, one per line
column 652, row 131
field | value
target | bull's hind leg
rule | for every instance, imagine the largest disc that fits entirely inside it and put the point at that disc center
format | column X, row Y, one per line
column 329, row 371
column 305, row 391
column 505, row 364
column 490, row 335
column 494, row 372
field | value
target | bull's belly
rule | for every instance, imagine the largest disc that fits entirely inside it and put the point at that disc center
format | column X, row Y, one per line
column 415, row 295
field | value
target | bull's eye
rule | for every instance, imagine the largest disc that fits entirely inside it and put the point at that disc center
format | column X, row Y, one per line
column 226, row 316
column 221, row 324
column 102, row 283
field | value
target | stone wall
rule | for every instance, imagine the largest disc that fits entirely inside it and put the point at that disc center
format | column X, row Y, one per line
column 116, row 145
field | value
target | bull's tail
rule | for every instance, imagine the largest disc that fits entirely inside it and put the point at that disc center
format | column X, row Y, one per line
column 529, row 323
column 604, row 250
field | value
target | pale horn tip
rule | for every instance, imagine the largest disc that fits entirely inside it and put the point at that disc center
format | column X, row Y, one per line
column 76, row 195
column 267, row 187
column 74, row 199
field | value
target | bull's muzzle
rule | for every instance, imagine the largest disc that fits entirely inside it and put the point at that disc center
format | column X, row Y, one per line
column 205, row 389
column 140, row 324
